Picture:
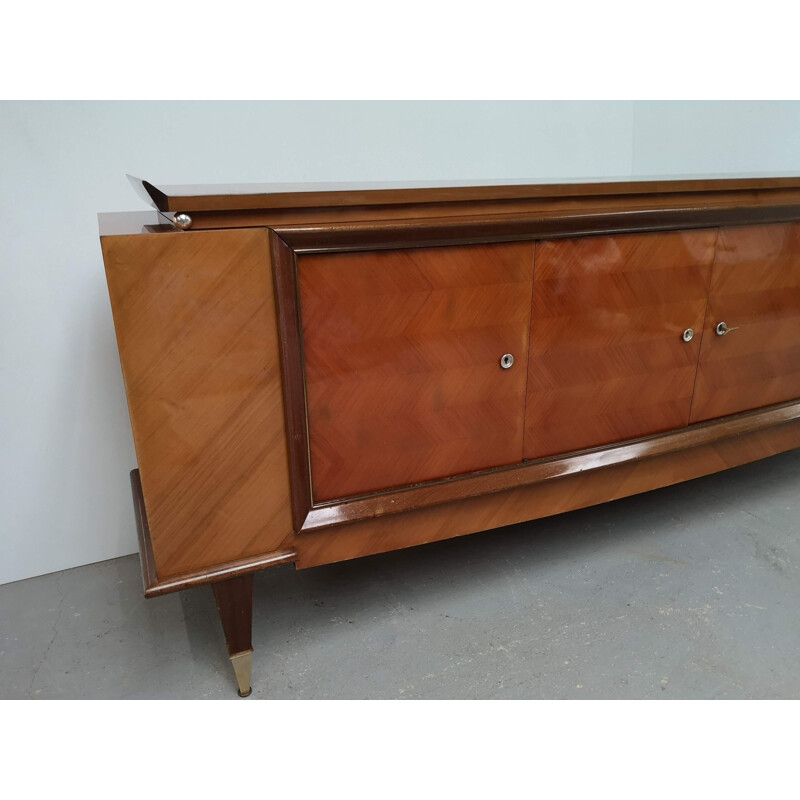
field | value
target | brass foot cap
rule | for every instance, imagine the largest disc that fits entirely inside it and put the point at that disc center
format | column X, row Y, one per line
column 241, row 666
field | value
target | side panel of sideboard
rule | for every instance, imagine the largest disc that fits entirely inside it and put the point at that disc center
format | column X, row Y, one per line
column 197, row 335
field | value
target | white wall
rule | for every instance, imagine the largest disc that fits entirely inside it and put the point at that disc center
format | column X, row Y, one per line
column 711, row 137
column 65, row 442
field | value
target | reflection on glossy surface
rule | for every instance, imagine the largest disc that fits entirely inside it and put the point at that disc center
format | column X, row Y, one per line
column 219, row 196
column 608, row 358
column 755, row 291
column 402, row 357
column 580, row 480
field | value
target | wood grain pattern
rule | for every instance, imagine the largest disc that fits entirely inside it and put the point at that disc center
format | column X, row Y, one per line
column 755, row 286
column 197, row 338
column 607, row 358
column 546, row 469
column 577, row 490
column 401, row 354
column 649, row 468
column 154, row 586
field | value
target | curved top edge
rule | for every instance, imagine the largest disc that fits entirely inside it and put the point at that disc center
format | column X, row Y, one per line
column 242, row 197
column 150, row 194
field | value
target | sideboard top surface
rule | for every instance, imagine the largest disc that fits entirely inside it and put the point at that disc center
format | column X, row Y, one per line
column 250, row 197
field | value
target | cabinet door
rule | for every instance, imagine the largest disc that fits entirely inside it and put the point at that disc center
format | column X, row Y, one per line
column 402, row 355
column 608, row 359
column 755, row 291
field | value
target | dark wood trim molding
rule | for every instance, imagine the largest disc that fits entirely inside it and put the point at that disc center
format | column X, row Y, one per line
column 219, row 572
column 242, row 197
column 284, row 267
column 337, row 237
column 147, row 561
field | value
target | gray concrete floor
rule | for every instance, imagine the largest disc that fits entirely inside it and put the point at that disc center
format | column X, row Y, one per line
column 688, row 592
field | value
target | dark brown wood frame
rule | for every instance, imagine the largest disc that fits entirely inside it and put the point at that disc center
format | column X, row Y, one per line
column 387, row 235
column 288, row 242
column 258, row 197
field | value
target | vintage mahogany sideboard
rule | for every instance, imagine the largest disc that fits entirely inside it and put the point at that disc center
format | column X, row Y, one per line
column 316, row 373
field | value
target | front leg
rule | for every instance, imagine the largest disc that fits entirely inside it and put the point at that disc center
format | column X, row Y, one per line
column 234, row 598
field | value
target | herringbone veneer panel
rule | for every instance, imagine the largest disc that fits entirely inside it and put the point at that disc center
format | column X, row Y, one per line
column 607, row 358
column 402, row 363
column 755, row 286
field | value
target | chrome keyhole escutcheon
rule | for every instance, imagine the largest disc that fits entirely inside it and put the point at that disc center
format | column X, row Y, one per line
column 507, row 361
column 688, row 335
column 722, row 328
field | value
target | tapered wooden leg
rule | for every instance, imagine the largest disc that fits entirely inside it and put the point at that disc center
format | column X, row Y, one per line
column 235, row 605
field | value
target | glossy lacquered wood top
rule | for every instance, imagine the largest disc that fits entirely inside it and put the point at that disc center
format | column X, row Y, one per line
column 402, row 355
column 607, row 358
column 240, row 197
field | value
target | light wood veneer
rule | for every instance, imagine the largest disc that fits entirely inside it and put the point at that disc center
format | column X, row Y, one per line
column 196, row 330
